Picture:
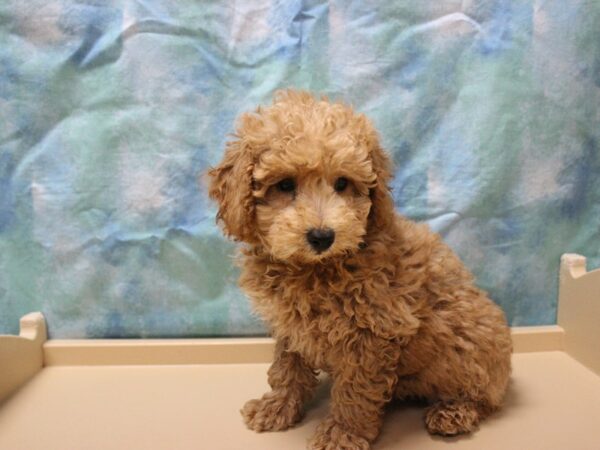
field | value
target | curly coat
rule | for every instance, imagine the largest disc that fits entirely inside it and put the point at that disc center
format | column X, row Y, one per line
column 388, row 310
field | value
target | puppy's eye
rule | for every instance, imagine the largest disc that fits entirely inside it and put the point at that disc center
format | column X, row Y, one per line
column 287, row 185
column 340, row 184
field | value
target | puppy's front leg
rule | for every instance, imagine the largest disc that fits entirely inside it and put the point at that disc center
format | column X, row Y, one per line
column 362, row 384
column 293, row 383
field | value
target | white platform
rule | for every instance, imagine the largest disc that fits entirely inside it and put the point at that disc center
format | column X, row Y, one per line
column 553, row 404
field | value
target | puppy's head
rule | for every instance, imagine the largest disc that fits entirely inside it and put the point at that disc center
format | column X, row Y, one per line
column 305, row 178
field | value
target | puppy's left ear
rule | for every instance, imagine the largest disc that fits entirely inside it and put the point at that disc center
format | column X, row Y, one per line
column 230, row 185
column 382, row 203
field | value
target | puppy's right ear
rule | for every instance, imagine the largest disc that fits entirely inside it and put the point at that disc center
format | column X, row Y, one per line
column 230, row 185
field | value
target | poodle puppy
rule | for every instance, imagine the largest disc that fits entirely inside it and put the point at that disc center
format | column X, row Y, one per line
column 348, row 286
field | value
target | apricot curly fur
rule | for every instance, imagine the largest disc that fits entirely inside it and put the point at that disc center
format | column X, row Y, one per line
column 388, row 310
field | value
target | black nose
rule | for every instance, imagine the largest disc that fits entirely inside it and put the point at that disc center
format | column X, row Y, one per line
column 320, row 238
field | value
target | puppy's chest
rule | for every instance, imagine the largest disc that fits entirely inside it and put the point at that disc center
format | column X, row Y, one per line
column 315, row 315
column 317, row 347
column 316, row 333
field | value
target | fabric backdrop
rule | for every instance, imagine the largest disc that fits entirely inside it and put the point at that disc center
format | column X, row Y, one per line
column 109, row 111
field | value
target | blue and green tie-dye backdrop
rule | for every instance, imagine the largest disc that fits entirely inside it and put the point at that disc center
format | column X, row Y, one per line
column 110, row 110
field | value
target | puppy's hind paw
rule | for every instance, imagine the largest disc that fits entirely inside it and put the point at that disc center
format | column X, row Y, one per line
column 451, row 418
column 275, row 411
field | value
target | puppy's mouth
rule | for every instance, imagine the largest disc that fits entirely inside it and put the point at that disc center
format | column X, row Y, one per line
column 322, row 245
column 316, row 245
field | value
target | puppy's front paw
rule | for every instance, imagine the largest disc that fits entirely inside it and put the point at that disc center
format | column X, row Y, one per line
column 331, row 436
column 275, row 411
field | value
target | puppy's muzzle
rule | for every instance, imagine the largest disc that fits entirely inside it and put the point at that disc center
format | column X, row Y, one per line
column 320, row 239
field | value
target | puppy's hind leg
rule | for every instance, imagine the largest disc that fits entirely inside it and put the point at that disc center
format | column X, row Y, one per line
column 466, row 400
column 293, row 383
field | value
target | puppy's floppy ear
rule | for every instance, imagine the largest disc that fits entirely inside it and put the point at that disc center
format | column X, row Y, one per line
column 382, row 208
column 230, row 185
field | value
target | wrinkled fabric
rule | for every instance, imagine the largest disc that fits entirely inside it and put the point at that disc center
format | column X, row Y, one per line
column 109, row 111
